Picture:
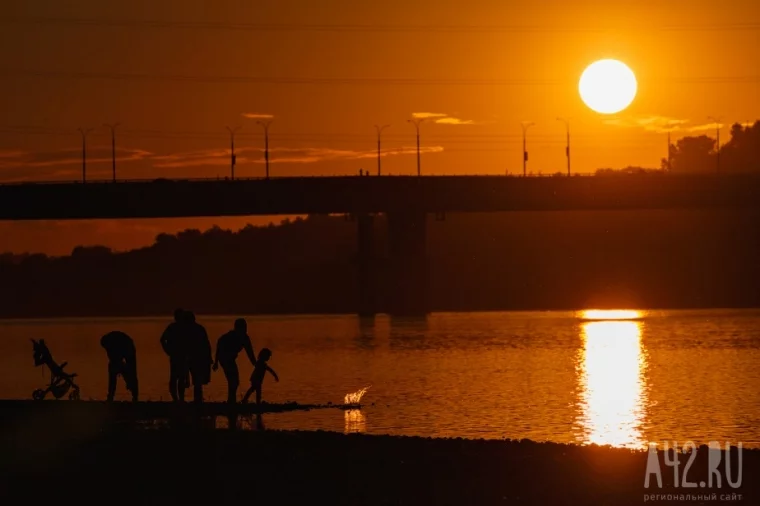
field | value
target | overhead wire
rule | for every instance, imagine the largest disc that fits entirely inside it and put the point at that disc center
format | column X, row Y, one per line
column 145, row 76
column 365, row 27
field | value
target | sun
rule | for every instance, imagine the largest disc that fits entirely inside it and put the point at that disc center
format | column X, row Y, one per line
column 608, row 86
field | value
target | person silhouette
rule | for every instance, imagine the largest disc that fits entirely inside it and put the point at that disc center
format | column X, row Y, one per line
column 227, row 349
column 174, row 344
column 198, row 356
column 122, row 360
column 257, row 376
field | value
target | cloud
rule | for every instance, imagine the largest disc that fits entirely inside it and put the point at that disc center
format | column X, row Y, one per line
column 428, row 115
column 661, row 124
column 441, row 118
column 193, row 158
column 66, row 163
column 11, row 154
column 704, row 128
column 279, row 155
column 21, row 165
column 256, row 115
column 653, row 123
column 454, row 121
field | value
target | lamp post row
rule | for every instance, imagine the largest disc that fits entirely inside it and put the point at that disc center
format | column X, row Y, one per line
column 112, row 126
column 379, row 129
column 233, row 158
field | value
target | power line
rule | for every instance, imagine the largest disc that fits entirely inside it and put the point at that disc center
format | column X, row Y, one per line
column 48, row 74
column 453, row 145
column 270, row 80
column 365, row 28
column 314, row 137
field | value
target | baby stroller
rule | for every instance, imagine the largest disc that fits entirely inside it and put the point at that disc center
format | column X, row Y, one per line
column 60, row 381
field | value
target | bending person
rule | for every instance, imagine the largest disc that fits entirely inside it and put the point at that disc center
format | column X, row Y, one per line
column 227, row 349
column 122, row 360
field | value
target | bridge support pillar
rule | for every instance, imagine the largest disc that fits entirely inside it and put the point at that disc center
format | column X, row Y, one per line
column 367, row 279
column 407, row 293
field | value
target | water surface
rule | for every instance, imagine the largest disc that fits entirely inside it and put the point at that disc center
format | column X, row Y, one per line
column 672, row 375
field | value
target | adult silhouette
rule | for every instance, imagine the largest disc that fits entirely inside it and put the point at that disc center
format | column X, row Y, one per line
column 198, row 355
column 174, row 341
column 227, row 349
column 122, row 360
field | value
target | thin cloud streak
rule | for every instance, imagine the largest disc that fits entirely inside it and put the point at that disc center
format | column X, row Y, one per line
column 454, row 121
column 706, row 127
column 257, row 115
column 65, row 163
column 442, row 118
column 280, row 155
column 428, row 115
column 653, row 123
column 68, row 156
column 663, row 124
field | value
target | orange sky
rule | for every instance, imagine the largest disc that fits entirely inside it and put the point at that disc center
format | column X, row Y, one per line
column 329, row 71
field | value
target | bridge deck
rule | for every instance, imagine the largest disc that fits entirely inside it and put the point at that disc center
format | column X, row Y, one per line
column 354, row 194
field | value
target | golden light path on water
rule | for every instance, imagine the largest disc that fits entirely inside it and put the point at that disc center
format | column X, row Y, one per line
column 355, row 421
column 612, row 379
column 611, row 314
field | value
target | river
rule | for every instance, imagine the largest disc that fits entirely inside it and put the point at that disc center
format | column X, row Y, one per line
column 570, row 377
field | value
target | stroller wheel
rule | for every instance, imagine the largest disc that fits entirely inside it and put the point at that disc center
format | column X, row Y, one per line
column 38, row 395
column 74, row 395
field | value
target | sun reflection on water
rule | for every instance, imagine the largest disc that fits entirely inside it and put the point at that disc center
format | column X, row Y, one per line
column 613, row 385
column 611, row 314
column 355, row 421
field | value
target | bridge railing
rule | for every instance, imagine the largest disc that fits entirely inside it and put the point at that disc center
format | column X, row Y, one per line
column 336, row 176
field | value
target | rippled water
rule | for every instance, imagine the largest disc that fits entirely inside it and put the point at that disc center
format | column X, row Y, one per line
column 672, row 375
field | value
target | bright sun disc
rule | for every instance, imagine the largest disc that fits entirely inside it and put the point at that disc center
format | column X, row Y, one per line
column 607, row 86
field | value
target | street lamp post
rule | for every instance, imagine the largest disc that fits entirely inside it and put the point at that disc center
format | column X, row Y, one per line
column 265, row 126
column 113, row 148
column 567, row 148
column 416, row 122
column 670, row 167
column 233, row 159
column 525, row 127
column 379, row 131
column 84, row 133
column 717, row 145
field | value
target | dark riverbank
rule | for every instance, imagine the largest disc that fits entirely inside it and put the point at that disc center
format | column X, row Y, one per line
column 166, row 316
column 77, row 460
column 476, row 262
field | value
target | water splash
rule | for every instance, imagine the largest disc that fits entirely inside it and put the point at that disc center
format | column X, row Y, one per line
column 355, row 397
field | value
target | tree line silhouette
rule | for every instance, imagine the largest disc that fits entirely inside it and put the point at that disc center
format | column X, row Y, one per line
column 538, row 260
column 698, row 153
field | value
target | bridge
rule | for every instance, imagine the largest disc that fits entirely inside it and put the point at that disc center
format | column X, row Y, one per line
column 405, row 200
column 370, row 194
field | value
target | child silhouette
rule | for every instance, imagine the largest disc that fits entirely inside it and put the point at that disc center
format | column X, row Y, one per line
column 257, row 377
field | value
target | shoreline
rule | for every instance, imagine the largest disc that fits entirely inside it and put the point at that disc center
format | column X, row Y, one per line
column 128, row 411
column 86, row 461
